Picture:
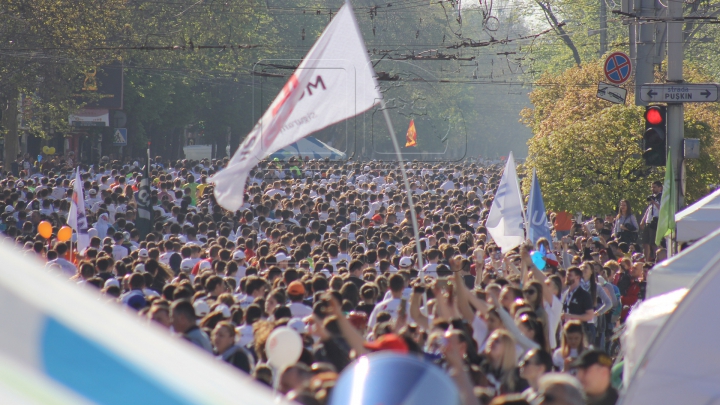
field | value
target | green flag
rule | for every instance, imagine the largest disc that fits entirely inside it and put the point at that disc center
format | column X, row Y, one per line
column 666, row 218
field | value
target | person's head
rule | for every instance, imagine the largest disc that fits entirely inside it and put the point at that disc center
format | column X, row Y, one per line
column 593, row 369
column 657, row 187
column 624, row 209
column 574, row 276
column 532, row 328
column 533, row 294
column 397, row 284
column 161, row 315
column 534, row 364
column 560, row 389
column 182, row 315
column 573, row 337
column 508, row 295
column 223, row 336
column 294, row 377
column 500, row 350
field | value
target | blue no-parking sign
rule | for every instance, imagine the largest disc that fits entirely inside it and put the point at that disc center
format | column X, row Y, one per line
column 618, row 67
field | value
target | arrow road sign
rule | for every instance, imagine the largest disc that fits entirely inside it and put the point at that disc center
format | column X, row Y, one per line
column 680, row 93
column 611, row 93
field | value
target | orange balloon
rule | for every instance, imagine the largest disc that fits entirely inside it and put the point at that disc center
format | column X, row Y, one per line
column 64, row 234
column 45, row 229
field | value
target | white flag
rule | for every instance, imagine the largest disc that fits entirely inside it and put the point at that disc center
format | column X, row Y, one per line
column 334, row 82
column 76, row 216
column 505, row 220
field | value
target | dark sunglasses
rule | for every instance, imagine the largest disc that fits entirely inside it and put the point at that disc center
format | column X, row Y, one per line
column 529, row 292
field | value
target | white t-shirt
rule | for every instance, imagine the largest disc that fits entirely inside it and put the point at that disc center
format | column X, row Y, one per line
column 118, row 252
column 300, row 310
column 390, row 306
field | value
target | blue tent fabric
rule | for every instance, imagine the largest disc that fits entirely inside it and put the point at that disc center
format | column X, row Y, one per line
column 311, row 148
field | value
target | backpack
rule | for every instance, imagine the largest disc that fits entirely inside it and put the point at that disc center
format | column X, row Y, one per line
column 624, row 282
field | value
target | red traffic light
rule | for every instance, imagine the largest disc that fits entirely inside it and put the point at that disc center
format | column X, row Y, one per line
column 653, row 116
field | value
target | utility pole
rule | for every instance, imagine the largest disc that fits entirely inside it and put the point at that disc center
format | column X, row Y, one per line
column 603, row 28
column 645, row 49
column 676, row 112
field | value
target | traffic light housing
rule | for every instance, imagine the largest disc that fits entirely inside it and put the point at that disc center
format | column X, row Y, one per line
column 655, row 136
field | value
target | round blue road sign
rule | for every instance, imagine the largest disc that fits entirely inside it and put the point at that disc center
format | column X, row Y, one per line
column 618, row 67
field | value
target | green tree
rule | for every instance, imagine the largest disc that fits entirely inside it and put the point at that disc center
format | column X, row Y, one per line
column 587, row 150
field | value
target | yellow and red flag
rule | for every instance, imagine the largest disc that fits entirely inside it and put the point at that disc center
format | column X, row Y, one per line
column 411, row 136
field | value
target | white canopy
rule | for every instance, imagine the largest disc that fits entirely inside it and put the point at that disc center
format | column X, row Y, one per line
column 642, row 324
column 679, row 271
column 699, row 219
column 72, row 341
column 681, row 365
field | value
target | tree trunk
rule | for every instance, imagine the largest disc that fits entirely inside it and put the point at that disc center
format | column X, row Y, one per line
column 558, row 27
column 10, row 124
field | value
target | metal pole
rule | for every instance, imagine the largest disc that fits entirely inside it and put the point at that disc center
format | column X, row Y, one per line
column 676, row 112
column 603, row 27
column 413, row 215
column 645, row 49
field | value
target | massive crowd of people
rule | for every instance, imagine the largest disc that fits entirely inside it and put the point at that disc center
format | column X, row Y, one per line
column 327, row 248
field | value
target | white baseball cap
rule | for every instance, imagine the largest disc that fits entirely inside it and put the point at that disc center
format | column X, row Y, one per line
column 238, row 255
column 142, row 253
column 140, row 268
column 281, row 257
column 405, row 261
column 201, row 308
column 186, row 265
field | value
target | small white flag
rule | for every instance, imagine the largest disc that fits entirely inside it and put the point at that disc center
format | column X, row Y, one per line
column 76, row 216
column 505, row 220
column 334, row 82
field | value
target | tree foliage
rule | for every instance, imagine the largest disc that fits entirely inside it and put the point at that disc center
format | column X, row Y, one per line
column 587, row 151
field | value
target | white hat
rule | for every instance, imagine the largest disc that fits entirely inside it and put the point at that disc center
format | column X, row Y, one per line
column 366, row 168
column 92, row 191
column 112, row 282
column 405, row 261
column 238, row 255
column 186, row 265
column 201, row 308
column 298, row 325
column 140, row 268
column 281, row 257
column 9, row 208
column 142, row 253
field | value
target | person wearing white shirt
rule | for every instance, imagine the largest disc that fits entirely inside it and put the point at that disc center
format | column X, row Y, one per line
column 391, row 305
column 296, row 294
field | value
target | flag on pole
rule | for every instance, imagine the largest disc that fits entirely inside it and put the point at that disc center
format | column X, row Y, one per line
column 411, row 136
column 668, row 204
column 76, row 216
column 505, row 220
column 335, row 81
column 144, row 221
column 537, row 220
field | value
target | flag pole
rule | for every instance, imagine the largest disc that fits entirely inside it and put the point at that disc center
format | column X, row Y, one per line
column 406, row 183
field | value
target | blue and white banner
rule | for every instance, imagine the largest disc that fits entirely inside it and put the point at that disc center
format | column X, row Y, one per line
column 61, row 338
column 537, row 225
